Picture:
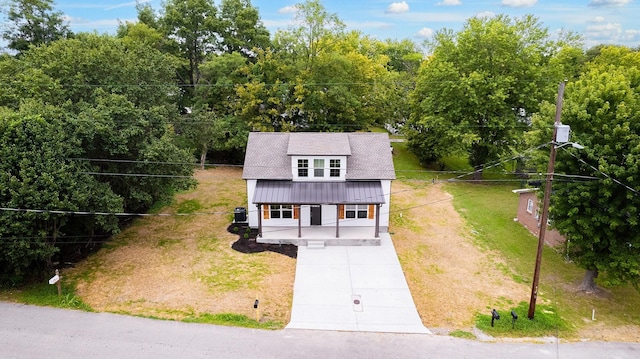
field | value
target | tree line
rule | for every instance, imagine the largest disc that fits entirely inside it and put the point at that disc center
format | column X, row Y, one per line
column 84, row 114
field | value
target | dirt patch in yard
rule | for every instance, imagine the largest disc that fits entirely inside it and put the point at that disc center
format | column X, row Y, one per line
column 449, row 277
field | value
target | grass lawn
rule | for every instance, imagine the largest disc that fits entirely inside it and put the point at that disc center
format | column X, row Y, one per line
column 496, row 231
column 183, row 267
column 488, row 211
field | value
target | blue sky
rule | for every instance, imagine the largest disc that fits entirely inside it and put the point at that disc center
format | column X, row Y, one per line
column 599, row 21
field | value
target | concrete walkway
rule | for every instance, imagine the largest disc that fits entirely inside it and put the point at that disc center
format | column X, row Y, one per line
column 353, row 288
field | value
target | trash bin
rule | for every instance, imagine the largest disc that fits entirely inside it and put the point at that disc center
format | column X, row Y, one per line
column 240, row 214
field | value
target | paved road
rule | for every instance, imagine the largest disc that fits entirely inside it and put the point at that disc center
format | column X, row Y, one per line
column 36, row 332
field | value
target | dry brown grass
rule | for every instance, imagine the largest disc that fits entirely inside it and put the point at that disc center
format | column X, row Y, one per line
column 449, row 277
column 180, row 266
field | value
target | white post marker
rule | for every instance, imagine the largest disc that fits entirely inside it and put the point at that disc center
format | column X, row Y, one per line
column 56, row 280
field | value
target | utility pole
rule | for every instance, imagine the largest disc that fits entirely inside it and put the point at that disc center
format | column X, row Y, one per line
column 545, row 205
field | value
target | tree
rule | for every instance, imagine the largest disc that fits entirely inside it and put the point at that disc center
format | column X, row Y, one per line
column 241, row 29
column 479, row 87
column 317, row 28
column 89, row 62
column 38, row 174
column 201, row 128
column 195, row 27
column 600, row 217
column 119, row 102
column 33, row 22
column 345, row 90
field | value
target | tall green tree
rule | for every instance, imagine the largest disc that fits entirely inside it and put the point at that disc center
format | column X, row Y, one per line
column 241, row 28
column 599, row 218
column 89, row 62
column 33, row 22
column 37, row 175
column 195, row 27
column 479, row 87
column 314, row 31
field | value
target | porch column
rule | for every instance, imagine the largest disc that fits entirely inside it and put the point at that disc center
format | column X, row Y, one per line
column 259, row 219
column 337, row 221
column 299, row 221
column 377, row 233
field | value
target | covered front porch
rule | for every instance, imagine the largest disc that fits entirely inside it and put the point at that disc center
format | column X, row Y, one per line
column 320, row 236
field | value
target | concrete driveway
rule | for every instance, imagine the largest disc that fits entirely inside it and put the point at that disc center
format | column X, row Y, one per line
column 353, row 288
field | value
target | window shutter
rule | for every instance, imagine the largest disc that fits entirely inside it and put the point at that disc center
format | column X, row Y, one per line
column 265, row 210
column 341, row 211
column 296, row 212
column 371, row 211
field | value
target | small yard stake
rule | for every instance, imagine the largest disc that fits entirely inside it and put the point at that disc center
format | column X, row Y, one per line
column 58, row 285
column 255, row 306
column 593, row 314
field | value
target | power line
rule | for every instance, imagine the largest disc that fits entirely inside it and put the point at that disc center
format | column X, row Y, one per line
column 635, row 191
column 117, row 214
column 133, row 174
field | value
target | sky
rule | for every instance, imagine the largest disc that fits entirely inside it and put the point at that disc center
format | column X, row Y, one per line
column 598, row 21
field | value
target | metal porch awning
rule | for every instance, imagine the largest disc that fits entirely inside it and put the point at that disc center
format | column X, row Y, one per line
column 289, row 192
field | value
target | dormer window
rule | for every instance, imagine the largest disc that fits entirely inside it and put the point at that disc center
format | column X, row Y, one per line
column 318, row 168
column 303, row 168
column 334, row 168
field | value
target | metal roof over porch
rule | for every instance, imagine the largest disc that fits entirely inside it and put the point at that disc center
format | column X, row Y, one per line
column 289, row 192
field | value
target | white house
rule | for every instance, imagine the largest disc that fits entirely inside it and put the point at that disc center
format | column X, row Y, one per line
column 312, row 183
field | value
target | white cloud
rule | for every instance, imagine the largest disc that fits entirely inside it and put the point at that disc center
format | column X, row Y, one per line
column 425, row 33
column 291, row 9
column 631, row 35
column 397, row 8
column 126, row 4
column 608, row 3
column 519, row 3
column 80, row 24
column 596, row 20
column 604, row 32
column 485, row 14
column 449, row 3
column 361, row 25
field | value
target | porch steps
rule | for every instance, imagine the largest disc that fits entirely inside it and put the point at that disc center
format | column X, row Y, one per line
column 315, row 244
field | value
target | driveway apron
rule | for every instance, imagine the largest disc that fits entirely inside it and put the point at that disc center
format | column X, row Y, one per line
column 353, row 288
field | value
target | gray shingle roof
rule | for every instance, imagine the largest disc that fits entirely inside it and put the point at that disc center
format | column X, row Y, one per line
column 368, row 153
column 318, row 144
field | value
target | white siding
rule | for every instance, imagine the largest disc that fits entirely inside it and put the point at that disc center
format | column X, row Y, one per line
column 252, row 210
column 327, row 168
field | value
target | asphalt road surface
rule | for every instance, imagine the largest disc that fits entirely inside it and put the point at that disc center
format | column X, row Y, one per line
column 37, row 332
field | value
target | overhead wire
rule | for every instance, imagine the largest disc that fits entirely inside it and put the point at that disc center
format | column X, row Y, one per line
column 635, row 191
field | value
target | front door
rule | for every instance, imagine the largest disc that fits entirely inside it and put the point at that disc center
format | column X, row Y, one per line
column 316, row 215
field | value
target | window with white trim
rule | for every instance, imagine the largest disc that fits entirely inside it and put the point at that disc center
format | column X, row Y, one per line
column 356, row 211
column 318, row 167
column 334, row 168
column 530, row 205
column 303, row 168
column 281, row 211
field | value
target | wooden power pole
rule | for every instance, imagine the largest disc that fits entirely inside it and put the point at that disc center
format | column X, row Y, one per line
column 545, row 205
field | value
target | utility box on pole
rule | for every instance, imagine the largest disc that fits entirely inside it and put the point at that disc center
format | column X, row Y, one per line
column 563, row 134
